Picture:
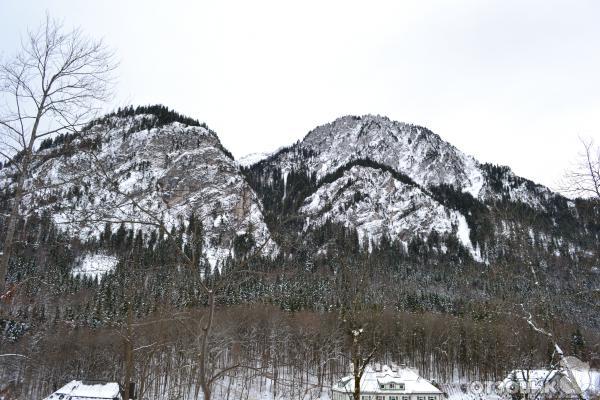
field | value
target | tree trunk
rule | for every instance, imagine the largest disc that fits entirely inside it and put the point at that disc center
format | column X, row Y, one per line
column 204, row 379
column 357, row 375
column 128, row 353
column 10, row 230
column 356, row 393
column 14, row 213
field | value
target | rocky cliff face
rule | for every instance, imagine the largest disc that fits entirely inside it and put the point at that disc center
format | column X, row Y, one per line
column 412, row 150
column 377, row 204
column 403, row 181
column 140, row 172
column 381, row 178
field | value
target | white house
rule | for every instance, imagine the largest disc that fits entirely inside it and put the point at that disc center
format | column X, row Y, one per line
column 87, row 390
column 387, row 383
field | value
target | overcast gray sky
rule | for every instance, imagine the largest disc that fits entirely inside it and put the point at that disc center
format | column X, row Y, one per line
column 510, row 82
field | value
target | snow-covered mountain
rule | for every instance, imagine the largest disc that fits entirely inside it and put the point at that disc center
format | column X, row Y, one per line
column 253, row 158
column 375, row 203
column 412, row 150
column 136, row 169
column 378, row 177
column 383, row 177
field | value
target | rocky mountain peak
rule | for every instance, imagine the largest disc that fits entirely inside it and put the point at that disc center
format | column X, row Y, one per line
column 389, row 179
column 139, row 166
column 409, row 149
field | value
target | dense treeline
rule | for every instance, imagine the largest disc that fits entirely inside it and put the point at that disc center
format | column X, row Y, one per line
column 163, row 115
column 279, row 353
column 435, row 310
column 365, row 162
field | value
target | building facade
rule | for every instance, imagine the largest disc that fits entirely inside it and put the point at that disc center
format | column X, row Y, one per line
column 383, row 382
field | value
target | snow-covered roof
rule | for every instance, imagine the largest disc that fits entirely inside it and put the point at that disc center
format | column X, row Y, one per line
column 539, row 381
column 374, row 377
column 584, row 380
column 80, row 390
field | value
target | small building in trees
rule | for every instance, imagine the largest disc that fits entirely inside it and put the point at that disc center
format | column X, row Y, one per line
column 545, row 384
column 383, row 382
column 87, row 390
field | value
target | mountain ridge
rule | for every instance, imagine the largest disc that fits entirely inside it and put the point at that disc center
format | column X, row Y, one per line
column 298, row 226
column 368, row 173
column 170, row 169
column 454, row 180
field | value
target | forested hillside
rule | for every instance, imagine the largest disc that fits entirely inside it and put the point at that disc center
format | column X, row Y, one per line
column 285, row 259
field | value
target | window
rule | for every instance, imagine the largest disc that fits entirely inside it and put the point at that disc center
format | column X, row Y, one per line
column 380, row 397
column 420, row 397
column 392, row 386
column 431, row 397
column 393, row 398
column 381, row 386
column 405, row 397
column 401, row 386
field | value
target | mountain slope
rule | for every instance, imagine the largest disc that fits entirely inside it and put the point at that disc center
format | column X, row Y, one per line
column 143, row 170
column 381, row 178
column 375, row 203
column 447, row 187
column 409, row 149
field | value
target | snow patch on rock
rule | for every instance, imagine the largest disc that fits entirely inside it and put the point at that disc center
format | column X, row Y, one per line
column 377, row 204
column 163, row 175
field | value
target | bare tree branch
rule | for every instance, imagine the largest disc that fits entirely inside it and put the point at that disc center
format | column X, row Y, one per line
column 53, row 85
column 583, row 179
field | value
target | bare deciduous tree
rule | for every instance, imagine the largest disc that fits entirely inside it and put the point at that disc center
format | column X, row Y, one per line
column 583, row 179
column 359, row 322
column 54, row 85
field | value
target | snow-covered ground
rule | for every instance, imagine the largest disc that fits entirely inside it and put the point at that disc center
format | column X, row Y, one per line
column 252, row 158
column 95, row 266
